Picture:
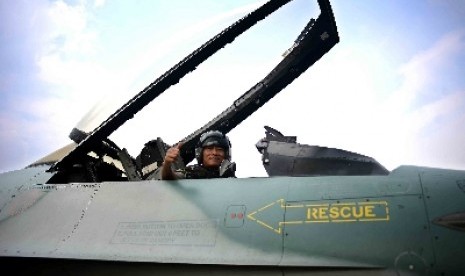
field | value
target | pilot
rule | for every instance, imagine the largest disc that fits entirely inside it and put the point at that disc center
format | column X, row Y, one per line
column 213, row 154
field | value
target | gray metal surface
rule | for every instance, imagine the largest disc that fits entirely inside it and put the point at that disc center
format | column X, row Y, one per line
column 337, row 222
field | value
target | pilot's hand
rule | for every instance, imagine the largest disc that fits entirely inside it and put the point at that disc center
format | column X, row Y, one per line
column 172, row 153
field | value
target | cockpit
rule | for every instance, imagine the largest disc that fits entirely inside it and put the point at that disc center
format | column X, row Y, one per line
column 94, row 157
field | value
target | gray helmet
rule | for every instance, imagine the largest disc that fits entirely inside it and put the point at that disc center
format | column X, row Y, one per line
column 213, row 138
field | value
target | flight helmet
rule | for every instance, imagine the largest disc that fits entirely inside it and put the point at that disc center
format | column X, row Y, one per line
column 213, row 138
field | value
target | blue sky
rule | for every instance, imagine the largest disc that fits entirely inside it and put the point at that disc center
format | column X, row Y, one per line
column 393, row 88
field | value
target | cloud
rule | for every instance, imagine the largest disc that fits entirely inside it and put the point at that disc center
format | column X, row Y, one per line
column 99, row 3
column 69, row 64
column 418, row 110
column 43, row 95
column 353, row 105
column 347, row 101
column 68, row 39
column 427, row 67
column 422, row 74
column 154, row 53
column 72, row 70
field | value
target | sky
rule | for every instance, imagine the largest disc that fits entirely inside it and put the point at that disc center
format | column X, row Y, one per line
column 393, row 88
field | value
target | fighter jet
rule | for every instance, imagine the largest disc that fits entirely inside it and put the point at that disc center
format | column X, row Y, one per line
column 91, row 208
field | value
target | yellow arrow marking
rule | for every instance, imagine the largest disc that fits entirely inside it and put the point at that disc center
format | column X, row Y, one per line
column 251, row 216
column 327, row 212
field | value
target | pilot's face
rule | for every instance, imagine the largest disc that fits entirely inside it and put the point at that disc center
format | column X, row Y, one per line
column 213, row 156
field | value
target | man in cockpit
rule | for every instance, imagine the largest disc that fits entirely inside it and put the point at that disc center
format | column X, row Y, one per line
column 213, row 154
